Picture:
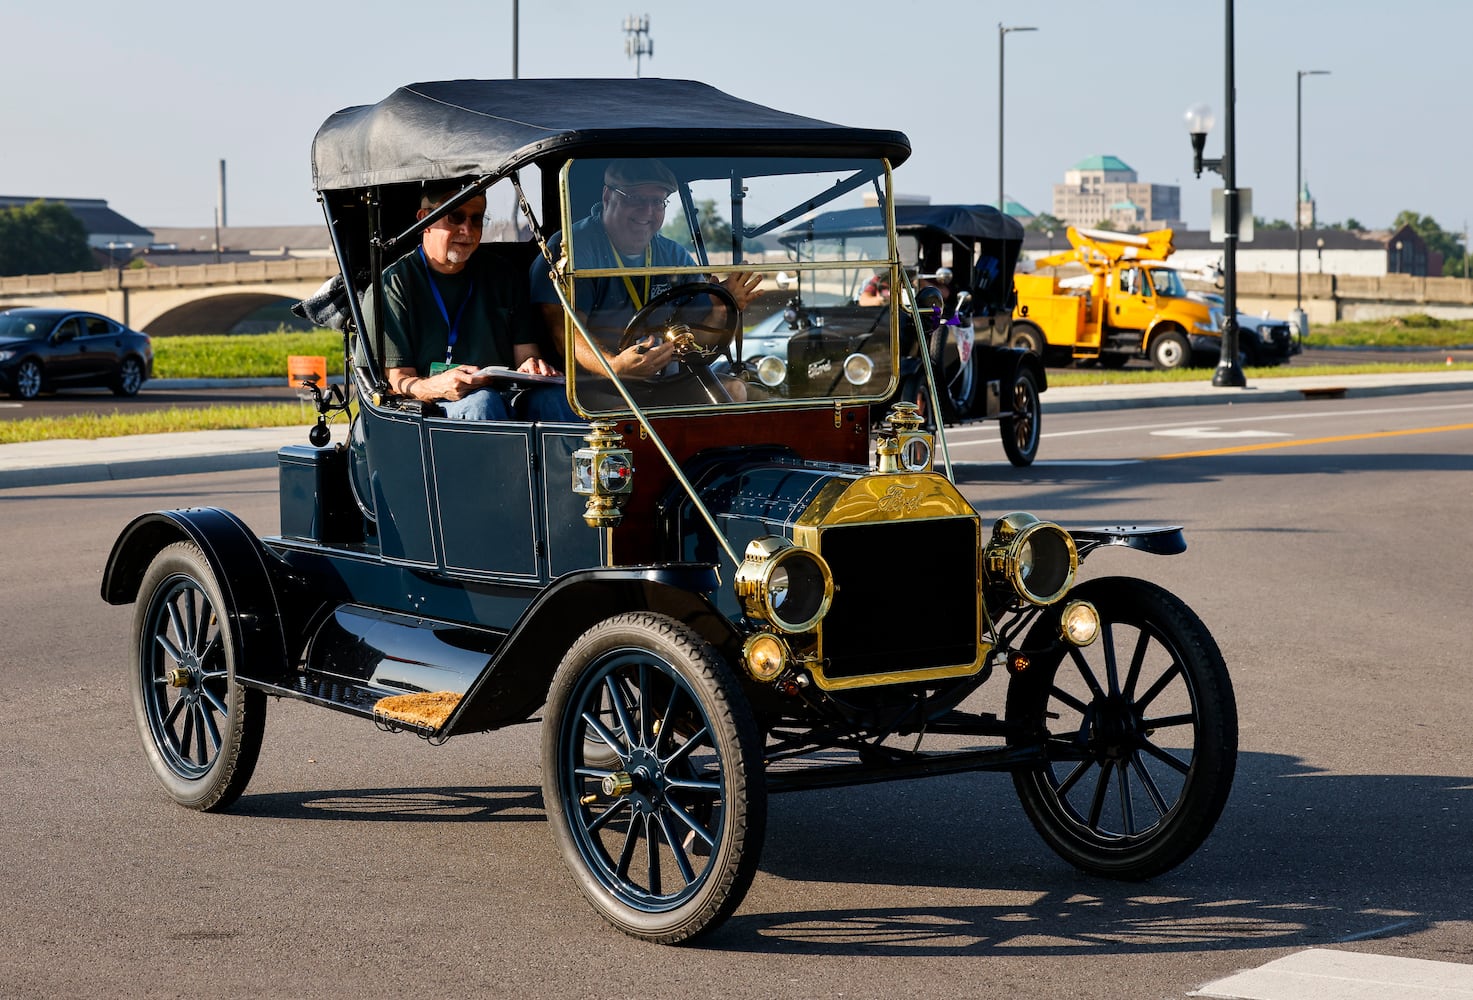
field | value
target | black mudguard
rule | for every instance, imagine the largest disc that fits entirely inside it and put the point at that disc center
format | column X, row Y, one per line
column 242, row 567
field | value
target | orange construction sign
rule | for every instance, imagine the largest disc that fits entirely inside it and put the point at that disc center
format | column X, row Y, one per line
column 305, row 367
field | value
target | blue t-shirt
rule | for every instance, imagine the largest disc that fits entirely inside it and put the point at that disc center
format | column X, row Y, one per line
column 606, row 301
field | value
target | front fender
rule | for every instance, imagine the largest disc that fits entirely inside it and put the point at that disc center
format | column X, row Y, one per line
column 241, row 567
column 1002, row 365
column 515, row 684
column 1157, row 540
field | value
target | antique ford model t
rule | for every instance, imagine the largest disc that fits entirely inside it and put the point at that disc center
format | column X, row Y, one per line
column 705, row 596
column 963, row 258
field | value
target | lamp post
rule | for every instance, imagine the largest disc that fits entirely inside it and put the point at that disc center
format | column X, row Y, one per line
column 639, row 42
column 515, row 35
column 1299, row 317
column 1002, row 33
column 1199, row 122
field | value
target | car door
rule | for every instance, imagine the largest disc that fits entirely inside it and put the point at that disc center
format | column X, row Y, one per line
column 1132, row 303
column 98, row 348
column 64, row 364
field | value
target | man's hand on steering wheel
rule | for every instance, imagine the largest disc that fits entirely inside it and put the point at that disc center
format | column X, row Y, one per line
column 655, row 321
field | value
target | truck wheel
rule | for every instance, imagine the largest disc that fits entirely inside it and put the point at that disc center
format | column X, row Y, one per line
column 1139, row 732
column 201, row 727
column 664, row 842
column 1020, row 431
column 1028, row 337
column 1170, row 350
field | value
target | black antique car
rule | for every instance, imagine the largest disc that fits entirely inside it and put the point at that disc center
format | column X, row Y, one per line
column 959, row 262
column 703, row 599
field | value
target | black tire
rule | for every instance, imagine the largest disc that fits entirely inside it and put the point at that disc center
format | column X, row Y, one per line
column 1125, row 794
column 130, row 378
column 1028, row 337
column 670, row 855
column 1170, row 350
column 201, row 728
column 1021, row 431
column 28, row 380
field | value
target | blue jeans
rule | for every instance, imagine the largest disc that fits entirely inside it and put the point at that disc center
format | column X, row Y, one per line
column 483, row 404
column 547, row 404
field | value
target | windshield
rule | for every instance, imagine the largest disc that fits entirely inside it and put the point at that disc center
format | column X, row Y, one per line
column 17, row 327
column 705, row 282
column 1168, row 283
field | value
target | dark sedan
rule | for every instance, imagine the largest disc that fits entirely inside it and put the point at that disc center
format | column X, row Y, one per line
column 43, row 350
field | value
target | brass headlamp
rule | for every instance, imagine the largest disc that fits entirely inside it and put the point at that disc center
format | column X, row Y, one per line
column 1037, row 559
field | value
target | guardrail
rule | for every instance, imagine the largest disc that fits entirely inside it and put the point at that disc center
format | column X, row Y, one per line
column 191, row 276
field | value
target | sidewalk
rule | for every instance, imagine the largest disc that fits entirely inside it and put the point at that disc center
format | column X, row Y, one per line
column 49, row 463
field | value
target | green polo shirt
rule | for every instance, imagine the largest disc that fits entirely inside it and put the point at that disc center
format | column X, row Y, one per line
column 488, row 325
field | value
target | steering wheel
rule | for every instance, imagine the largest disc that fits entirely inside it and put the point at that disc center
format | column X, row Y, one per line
column 686, row 350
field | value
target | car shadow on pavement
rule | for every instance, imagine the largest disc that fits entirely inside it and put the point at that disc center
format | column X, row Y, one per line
column 399, row 805
column 1299, row 858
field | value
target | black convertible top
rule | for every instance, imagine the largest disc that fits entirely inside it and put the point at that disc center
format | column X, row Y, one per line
column 458, row 128
column 967, row 222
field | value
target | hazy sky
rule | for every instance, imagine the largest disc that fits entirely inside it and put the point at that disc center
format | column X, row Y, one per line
column 138, row 103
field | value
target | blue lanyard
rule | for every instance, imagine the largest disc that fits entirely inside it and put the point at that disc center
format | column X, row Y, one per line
column 453, row 325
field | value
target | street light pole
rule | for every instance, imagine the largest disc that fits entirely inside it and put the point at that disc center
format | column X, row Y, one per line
column 1199, row 122
column 1299, row 317
column 1002, row 32
column 515, row 35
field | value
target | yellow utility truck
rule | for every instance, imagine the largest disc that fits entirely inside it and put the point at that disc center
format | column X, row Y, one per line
column 1128, row 304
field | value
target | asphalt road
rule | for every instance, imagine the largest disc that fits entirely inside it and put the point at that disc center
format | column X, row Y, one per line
column 1327, row 550
column 161, row 396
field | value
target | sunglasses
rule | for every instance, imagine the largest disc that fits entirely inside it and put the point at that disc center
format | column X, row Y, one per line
column 461, row 217
column 655, row 203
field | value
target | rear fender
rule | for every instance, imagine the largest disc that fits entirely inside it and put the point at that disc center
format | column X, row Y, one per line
column 241, row 567
column 1002, row 365
column 516, row 683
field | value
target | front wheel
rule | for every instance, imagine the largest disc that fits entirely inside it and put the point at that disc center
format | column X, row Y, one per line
column 1170, row 350
column 1020, row 432
column 28, row 379
column 664, row 841
column 1139, row 731
column 201, row 727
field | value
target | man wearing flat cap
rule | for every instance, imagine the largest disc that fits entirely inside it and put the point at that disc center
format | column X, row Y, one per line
column 623, row 231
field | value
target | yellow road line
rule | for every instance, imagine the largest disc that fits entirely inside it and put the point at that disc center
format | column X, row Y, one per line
column 1238, row 449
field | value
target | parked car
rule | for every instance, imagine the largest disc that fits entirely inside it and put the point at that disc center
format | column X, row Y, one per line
column 703, row 601
column 956, row 289
column 46, row 350
column 1261, row 339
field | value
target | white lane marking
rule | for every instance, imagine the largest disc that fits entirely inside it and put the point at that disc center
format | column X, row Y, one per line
column 1062, row 463
column 1320, row 973
column 1213, row 432
column 989, row 428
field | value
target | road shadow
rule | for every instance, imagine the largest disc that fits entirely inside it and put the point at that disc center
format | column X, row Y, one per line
column 400, row 805
column 1299, row 858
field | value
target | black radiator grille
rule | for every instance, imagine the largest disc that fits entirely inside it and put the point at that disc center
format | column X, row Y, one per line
column 905, row 596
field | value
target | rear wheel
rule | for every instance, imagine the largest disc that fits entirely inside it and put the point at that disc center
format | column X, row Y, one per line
column 201, row 727
column 28, row 380
column 1140, row 733
column 1020, row 431
column 1028, row 337
column 664, row 841
column 130, row 378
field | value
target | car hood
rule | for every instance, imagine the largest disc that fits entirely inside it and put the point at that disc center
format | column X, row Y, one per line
column 13, row 341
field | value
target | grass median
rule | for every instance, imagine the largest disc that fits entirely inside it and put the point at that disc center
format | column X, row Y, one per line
column 264, row 356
